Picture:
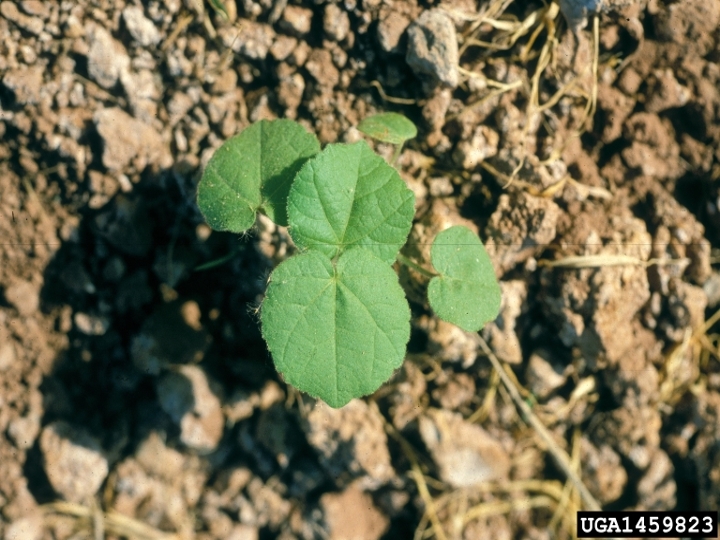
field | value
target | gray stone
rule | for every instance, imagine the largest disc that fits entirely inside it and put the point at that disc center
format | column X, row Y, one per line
column 433, row 49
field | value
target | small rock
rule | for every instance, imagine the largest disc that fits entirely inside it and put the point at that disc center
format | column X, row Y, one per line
column 390, row 31
column 73, row 461
column 24, row 297
column 320, row 65
column 502, row 333
column 24, row 430
column 254, row 41
column 482, row 145
column 140, row 27
column 9, row 10
column 297, row 20
column 91, row 325
column 350, row 441
column 432, row 48
column 126, row 140
column 107, row 58
column 336, row 22
column 36, row 7
column 448, row 342
column 351, row 515
column 25, row 82
column 465, row 453
column 29, row 527
column 282, row 47
column 7, row 355
column 159, row 460
column 187, row 398
column 543, row 376
column 243, row 532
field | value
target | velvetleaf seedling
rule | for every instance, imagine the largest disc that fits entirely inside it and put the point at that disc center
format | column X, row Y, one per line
column 334, row 317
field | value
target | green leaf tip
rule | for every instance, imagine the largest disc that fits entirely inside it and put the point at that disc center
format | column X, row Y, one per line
column 252, row 172
column 348, row 196
column 336, row 330
column 388, row 127
column 466, row 293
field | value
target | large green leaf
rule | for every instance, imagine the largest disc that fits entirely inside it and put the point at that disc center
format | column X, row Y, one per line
column 466, row 292
column 388, row 127
column 252, row 172
column 348, row 196
column 336, row 330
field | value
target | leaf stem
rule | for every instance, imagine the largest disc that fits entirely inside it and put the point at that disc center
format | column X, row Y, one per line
column 412, row 264
column 396, row 154
column 216, row 262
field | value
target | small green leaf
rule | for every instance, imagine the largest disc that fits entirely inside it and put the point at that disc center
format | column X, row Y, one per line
column 466, row 292
column 336, row 331
column 348, row 196
column 252, row 172
column 388, row 127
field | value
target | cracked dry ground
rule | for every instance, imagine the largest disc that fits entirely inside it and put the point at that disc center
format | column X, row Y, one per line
column 132, row 386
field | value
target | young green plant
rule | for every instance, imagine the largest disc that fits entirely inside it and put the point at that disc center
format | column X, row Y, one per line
column 334, row 317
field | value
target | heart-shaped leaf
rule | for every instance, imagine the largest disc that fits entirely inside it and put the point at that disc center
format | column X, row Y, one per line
column 466, row 292
column 336, row 330
column 388, row 127
column 252, row 172
column 348, row 196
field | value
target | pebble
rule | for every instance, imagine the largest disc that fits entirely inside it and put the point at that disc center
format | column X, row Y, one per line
column 126, row 140
column 25, row 82
column 9, row 10
column 336, row 22
column 26, row 528
column 185, row 395
column 91, row 325
column 350, row 440
column 107, row 58
column 433, row 49
column 297, row 20
column 254, row 41
column 390, row 31
column 351, row 515
column 465, row 453
column 7, row 355
column 24, row 297
column 73, row 461
column 24, row 430
column 543, row 376
column 502, row 333
column 140, row 27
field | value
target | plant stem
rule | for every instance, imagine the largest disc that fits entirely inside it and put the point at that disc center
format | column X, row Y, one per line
column 410, row 263
column 216, row 262
column 396, row 155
